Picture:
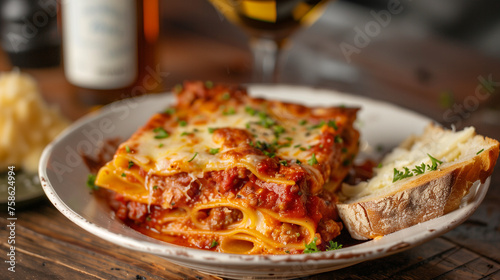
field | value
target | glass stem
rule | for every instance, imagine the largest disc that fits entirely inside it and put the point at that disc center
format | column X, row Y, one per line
column 266, row 53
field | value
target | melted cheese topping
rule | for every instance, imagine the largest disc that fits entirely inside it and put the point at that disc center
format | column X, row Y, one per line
column 193, row 146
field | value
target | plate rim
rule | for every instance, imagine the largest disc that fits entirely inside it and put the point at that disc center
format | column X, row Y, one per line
column 180, row 253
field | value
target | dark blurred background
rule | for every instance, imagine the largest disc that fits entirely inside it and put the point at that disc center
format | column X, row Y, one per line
column 428, row 50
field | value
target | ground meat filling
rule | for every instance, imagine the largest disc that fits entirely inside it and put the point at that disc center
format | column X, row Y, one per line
column 220, row 218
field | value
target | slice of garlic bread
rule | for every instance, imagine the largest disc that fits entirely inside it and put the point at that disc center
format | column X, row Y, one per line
column 425, row 177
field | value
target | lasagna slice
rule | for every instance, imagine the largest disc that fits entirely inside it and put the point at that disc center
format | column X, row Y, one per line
column 224, row 171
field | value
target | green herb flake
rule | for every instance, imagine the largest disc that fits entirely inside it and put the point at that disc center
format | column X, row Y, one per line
column 333, row 246
column 195, row 154
column 160, row 133
column 226, row 96
column 419, row 169
column 379, row 165
column 333, row 124
column 229, row 112
column 312, row 160
column 214, row 151
column 160, row 145
column 434, row 164
column 155, row 187
column 214, row 244
column 399, row 175
column 182, row 123
column 124, row 175
column 319, row 125
column 169, row 111
column 209, row 84
column 251, row 111
column 91, row 182
column 480, row 152
column 311, row 247
column 338, row 139
column 130, row 164
column 211, row 129
column 148, row 218
column 303, row 122
column 284, row 162
column 127, row 149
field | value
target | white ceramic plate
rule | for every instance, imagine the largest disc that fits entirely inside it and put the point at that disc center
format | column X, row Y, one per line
column 63, row 176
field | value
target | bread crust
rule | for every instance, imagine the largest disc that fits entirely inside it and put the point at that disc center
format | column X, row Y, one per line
column 426, row 197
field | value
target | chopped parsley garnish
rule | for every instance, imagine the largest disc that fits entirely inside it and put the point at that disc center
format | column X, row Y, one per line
column 148, row 218
column 214, row 244
column 186, row 133
column 250, row 110
column 312, row 160
column 297, row 146
column 332, row 123
column 230, row 111
column 182, row 123
column 417, row 170
column 160, row 145
column 266, row 148
column 265, row 120
column 333, row 246
column 155, row 187
column 298, row 161
column 226, row 96
column 399, row 175
column 278, row 130
column 124, row 175
column 338, row 139
column 211, row 129
column 130, row 164
column 91, row 182
column 284, row 162
column 160, row 133
column 127, row 149
column 435, row 163
column 480, row 152
column 379, row 165
column 214, row 151
column 303, row 122
column 320, row 124
column 195, row 154
column 169, row 111
column 311, row 247
column 209, row 84
column 344, row 150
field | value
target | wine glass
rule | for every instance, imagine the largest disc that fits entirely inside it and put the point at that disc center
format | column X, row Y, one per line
column 269, row 24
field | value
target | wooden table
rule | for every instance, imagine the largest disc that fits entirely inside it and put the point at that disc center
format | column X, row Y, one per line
column 411, row 73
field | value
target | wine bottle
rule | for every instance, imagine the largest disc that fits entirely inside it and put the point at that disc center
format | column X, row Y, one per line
column 109, row 48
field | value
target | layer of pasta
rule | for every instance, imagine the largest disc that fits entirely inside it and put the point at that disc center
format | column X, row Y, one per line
column 225, row 171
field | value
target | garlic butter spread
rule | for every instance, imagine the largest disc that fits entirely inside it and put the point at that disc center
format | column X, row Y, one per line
column 27, row 123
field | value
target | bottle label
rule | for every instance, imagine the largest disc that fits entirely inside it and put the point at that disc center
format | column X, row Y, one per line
column 100, row 43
